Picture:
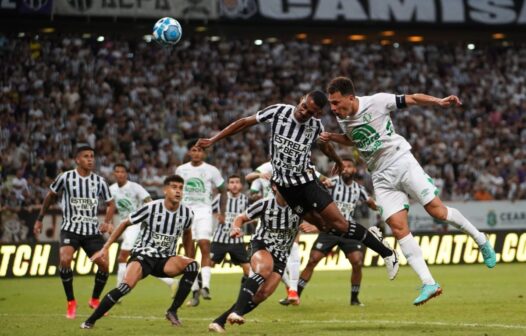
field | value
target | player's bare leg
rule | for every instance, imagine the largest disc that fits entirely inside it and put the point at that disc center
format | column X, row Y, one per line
column 452, row 216
column 66, row 275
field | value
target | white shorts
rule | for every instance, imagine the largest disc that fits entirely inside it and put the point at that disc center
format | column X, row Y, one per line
column 129, row 237
column 403, row 179
column 202, row 227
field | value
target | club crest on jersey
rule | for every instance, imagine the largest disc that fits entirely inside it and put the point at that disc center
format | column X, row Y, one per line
column 309, row 131
column 367, row 117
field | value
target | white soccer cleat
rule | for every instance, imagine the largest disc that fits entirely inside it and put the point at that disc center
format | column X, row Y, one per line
column 392, row 265
column 375, row 230
column 235, row 318
column 215, row 327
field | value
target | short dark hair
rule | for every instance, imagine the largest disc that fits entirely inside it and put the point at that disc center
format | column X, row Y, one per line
column 342, row 85
column 173, row 178
column 319, row 98
column 348, row 158
column 191, row 143
column 234, row 176
column 83, row 147
column 120, row 165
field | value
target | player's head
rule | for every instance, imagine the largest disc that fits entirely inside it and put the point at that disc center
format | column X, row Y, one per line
column 120, row 171
column 234, row 184
column 349, row 167
column 173, row 188
column 196, row 154
column 342, row 97
column 311, row 105
column 85, row 157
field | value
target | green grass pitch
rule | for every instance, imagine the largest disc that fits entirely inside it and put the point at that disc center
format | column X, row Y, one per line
column 476, row 301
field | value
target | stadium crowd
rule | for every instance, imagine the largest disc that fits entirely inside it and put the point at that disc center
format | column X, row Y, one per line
column 139, row 104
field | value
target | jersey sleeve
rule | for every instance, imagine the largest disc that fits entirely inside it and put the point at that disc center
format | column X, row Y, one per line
column 216, row 204
column 189, row 219
column 265, row 168
column 387, row 102
column 267, row 114
column 143, row 194
column 217, row 178
column 58, row 185
column 256, row 209
column 140, row 214
column 105, row 192
column 256, row 186
column 364, row 195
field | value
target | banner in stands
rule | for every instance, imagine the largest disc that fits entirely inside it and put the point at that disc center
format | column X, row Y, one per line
column 43, row 7
column 445, row 12
column 30, row 260
column 491, row 215
column 181, row 9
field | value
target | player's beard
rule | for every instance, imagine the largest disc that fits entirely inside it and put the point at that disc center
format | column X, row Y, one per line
column 347, row 177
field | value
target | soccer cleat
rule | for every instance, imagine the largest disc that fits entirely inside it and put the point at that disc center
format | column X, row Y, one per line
column 216, row 327
column 72, row 310
column 488, row 253
column 86, row 325
column 375, row 230
column 93, row 303
column 284, row 302
column 293, row 297
column 427, row 292
column 357, row 303
column 392, row 265
column 194, row 301
column 235, row 318
column 205, row 293
column 172, row 317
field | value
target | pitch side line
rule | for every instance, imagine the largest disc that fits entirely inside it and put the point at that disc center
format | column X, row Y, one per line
column 443, row 324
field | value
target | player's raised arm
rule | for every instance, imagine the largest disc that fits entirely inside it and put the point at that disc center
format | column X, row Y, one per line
column 329, row 151
column 113, row 237
column 423, row 99
column 239, row 221
column 235, row 127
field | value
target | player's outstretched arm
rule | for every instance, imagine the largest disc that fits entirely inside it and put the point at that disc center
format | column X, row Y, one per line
column 423, row 99
column 339, row 138
column 235, row 127
column 329, row 151
column 239, row 221
column 103, row 253
column 48, row 200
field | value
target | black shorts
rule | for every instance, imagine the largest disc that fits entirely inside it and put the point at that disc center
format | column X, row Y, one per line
column 150, row 265
column 90, row 244
column 257, row 245
column 305, row 197
column 326, row 242
column 238, row 253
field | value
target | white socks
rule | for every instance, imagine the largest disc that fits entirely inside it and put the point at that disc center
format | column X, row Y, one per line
column 293, row 267
column 415, row 259
column 120, row 272
column 455, row 218
column 206, row 272
column 195, row 285
column 168, row 281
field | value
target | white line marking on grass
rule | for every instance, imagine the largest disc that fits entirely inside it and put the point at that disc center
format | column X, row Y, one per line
column 422, row 323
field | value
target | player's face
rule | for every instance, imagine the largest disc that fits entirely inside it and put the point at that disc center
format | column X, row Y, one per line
column 197, row 154
column 86, row 160
column 234, row 185
column 349, row 169
column 307, row 109
column 341, row 105
column 173, row 192
column 120, row 175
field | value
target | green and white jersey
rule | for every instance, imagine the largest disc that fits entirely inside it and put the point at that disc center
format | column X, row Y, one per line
column 372, row 131
column 199, row 183
column 128, row 198
column 261, row 185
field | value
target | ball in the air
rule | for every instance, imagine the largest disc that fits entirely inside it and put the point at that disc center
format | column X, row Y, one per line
column 167, row 31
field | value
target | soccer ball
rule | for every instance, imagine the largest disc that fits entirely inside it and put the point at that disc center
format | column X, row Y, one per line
column 167, row 31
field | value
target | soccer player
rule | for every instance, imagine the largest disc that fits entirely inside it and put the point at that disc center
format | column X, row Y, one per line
column 222, row 243
column 294, row 130
column 270, row 247
column 346, row 193
column 201, row 179
column 162, row 223
column 81, row 190
column 396, row 174
column 260, row 181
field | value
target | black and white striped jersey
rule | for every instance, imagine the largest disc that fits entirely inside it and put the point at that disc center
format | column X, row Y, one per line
column 278, row 226
column 216, row 205
column 346, row 196
column 291, row 145
column 234, row 206
column 160, row 228
column 80, row 200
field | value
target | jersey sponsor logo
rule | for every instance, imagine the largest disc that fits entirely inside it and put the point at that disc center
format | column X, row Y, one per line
column 280, row 240
column 84, row 220
column 162, row 241
column 124, row 205
column 80, row 203
column 288, row 147
column 367, row 139
column 194, row 185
